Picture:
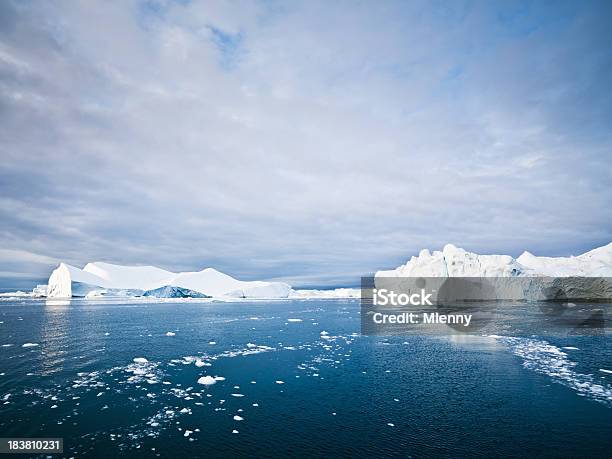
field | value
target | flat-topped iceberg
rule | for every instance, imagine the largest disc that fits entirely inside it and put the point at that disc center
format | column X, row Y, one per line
column 104, row 278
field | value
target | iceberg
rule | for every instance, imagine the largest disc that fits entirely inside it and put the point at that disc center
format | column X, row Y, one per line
column 338, row 293
column 583, row 277
column 456, row 262
column 108, row 279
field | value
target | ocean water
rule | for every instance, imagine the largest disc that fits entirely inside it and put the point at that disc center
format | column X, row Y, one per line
column 294, row 378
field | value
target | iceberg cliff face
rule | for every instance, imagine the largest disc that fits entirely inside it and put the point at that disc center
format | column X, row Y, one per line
column 67, row 281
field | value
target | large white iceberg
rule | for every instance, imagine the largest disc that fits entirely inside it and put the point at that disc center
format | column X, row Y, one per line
column 586, row 276
column 67, row 281
column 456, row 262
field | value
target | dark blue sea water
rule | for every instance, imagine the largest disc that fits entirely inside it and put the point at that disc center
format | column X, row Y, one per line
column 299, row 381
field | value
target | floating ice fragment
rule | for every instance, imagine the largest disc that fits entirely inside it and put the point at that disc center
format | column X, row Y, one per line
column 280, row 382
column 207, row 380
column 170, row 333
column 238, row 418
column 140, row 360
column 30, row 345
column 234, row 431
column 237, row 395
column 187, row 433
column 390, row 424
column 294, row 320
column 603, row 370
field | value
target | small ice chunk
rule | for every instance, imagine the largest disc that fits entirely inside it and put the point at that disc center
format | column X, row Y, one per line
column 219, row 378
column 294, row 320
column 603, row 370
column 207, row 380
column 171, row 334
column 238, row 418
column 280, row 382
column 30, row 345
column 390, row 424
column 140, row 360
column 200, row 363
column 212, row 342
column 234, row 431
column 187, row 433
column 251, row 345
column 571, row 348
column 237, row 395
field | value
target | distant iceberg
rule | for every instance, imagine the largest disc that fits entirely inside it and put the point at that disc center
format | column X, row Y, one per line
column 338, row 293
column 107, row 279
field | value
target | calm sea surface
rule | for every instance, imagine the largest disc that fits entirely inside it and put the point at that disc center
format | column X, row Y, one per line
column 292, row 378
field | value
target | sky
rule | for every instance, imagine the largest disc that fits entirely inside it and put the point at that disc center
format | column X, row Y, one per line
column 313, row 142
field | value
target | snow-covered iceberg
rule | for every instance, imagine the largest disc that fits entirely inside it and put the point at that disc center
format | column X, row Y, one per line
column 104, row 278
column 595, row 263
column 586, row 276
column 456, row 262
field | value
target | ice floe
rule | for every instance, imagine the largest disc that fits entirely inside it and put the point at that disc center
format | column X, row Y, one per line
column 542, row 357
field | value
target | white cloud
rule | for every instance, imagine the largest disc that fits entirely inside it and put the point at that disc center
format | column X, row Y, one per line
column 300, row 140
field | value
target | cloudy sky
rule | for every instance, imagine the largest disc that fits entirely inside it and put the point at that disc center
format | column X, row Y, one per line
column 309, row 141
